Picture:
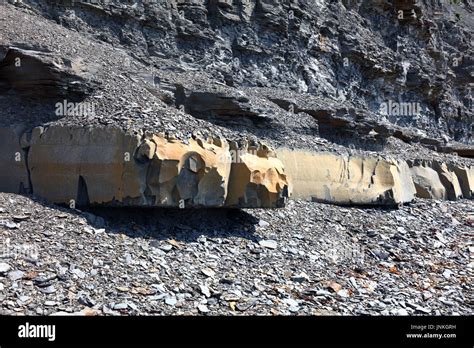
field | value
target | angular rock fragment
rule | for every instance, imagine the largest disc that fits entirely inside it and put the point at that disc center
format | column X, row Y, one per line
column 194, row 174
column 427, row 182
column 449, row 181
column 347, row 180
column 465, row 177
column 257, row 179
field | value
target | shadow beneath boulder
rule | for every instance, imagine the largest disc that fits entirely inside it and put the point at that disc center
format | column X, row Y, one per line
column 185, row 225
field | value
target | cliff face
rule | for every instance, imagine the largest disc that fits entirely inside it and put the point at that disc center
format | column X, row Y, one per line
column 359, row 58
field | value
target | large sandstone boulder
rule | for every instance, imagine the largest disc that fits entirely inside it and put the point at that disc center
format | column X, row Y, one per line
column 195, row 174
column 346, row 180
column 108, row 166
column 87, row 165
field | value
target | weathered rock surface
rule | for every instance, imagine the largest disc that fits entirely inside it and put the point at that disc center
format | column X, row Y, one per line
column 346, row 179
column 257, row 179
column 105, row 166
column 85, row 165
column 13, row 167
column 319, row 77
column 196, row 173
column 439, row 180
column 449, row 180
column 465, row 177
column 369, row 180
column 42, row 73
column 427, row 182
column 222, row 71
column 278, row 70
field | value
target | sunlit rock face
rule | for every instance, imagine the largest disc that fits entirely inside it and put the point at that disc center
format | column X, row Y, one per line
column 197, row 173
column 107, row 166
column 350, row 180
column 111, row 167
column 465, row 176
column 347, row 180
column 257, row 179
column 144, row 109
column 438, row 180
column 427, row 182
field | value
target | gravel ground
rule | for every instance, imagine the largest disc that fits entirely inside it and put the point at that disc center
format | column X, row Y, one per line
column 305, row 259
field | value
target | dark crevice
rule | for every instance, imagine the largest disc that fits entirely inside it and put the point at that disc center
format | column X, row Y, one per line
column 82, row 198
column 28, row 189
